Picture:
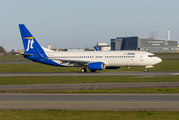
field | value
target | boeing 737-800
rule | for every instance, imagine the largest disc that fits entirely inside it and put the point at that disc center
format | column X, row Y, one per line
column 93, row 60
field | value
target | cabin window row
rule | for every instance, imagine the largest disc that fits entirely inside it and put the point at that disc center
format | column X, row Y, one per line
column 73, row 57
column 93, row 57
column 119, row 56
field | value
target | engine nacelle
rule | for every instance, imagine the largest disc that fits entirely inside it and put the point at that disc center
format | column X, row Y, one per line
column 96, row 66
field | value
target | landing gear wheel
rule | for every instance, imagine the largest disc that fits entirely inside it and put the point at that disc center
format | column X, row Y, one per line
column 146, row 70
column 83, row 70
column 93, row 70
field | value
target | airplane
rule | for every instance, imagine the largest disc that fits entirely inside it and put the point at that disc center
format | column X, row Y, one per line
column 93, row 60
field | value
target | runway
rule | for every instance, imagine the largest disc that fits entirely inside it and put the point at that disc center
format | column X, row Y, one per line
column 22, row 101
column 116, row 102
column 89, row 86
column 94, row 74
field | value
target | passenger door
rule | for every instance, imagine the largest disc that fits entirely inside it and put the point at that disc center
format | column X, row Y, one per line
column 141, row 57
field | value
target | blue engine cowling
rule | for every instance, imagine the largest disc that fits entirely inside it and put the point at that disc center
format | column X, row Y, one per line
column 96, row 66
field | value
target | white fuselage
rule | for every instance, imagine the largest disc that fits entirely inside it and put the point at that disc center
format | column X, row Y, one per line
column 109, row 58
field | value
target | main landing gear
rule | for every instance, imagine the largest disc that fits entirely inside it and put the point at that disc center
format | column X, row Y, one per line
column 146, row 70
column 83, row 70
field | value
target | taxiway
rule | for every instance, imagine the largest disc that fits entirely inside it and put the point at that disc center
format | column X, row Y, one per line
column 22, row 101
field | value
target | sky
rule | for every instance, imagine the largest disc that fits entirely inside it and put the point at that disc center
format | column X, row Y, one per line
column 84, row 23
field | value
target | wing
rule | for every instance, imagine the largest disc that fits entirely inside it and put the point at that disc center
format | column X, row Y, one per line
column 79, row 63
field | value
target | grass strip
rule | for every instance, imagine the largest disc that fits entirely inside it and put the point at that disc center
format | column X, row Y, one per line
column 24, row 80
column 170, row 59
column 169, row 54
column 129, row 90
column 87, row 115
column 18, row 60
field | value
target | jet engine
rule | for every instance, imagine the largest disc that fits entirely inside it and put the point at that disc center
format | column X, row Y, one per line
column 96, row 66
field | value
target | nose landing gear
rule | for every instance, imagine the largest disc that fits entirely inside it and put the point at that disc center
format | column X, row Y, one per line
column 146, row 67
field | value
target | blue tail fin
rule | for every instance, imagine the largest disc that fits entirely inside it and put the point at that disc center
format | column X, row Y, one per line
column 96, row 49
column 31, row 46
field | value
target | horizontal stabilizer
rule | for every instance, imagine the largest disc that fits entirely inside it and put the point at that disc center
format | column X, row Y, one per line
column 27, row 54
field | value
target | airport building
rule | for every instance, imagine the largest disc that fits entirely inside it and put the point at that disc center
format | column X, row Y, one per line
column 146, row 44
column 74, row 50
column 103, row 47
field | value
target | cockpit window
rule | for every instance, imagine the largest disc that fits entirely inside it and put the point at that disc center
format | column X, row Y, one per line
column 151, row 55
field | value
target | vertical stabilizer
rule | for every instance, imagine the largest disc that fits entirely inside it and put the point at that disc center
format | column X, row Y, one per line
column 31, row 46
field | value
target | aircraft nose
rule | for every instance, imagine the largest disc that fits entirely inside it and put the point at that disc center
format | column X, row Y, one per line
column 158, row 60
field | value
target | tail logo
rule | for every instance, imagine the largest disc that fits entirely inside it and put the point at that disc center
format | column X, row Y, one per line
column 30, row 44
